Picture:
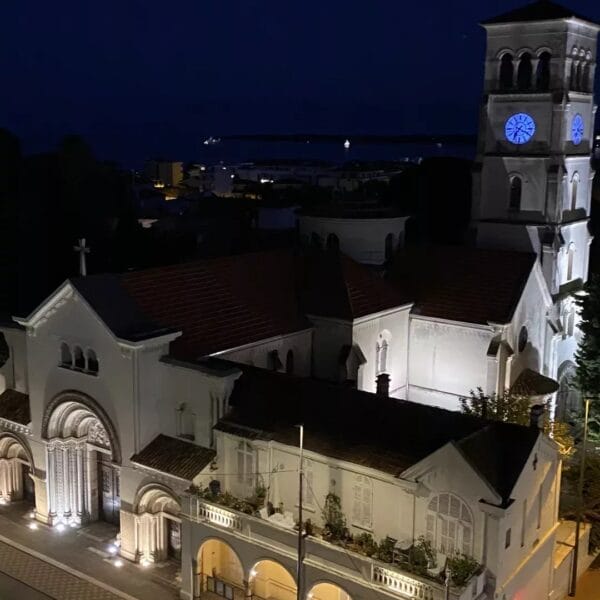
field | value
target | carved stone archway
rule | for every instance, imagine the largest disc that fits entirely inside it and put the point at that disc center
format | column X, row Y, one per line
column 157, row 524
column 16, row 468
column 83, row 457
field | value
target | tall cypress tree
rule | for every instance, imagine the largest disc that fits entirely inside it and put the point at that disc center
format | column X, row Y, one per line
column 588, row 353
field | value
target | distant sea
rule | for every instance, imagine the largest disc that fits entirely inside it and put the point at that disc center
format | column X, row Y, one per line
column 236, row 149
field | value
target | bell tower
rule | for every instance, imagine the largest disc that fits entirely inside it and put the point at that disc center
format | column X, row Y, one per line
column 533, row 174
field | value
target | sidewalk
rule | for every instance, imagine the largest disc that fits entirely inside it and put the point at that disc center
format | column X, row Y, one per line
column 75, row 564
column 588, row 586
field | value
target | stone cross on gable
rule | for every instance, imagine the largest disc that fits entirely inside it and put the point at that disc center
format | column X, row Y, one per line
column 82, row 249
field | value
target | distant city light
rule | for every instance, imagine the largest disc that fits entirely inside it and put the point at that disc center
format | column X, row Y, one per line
column 33, row 526
column 118, row 563
column 145, row 562
column 60, row 527
column 112, row 549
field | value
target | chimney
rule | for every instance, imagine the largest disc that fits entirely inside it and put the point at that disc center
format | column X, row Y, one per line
column 536, row 416
column 383, row 384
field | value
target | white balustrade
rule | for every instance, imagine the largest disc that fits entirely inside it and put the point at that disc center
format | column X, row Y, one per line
column 218, row 516
column 403, row 584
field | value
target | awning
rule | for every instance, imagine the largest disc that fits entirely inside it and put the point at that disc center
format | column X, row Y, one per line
column 532, row 383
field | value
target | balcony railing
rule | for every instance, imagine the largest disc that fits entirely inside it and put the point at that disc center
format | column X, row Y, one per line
column 327, row 556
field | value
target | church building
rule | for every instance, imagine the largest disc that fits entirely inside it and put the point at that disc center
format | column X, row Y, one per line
column 166, row 401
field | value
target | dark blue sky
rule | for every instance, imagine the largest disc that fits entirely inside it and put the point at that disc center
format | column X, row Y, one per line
column 145, row 77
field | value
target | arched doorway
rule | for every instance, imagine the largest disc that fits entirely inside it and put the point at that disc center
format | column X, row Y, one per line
column 83, row 457
column 158, row 526
column 327, row 591
column 220, row 570
column 16, row 468
column 268, row 579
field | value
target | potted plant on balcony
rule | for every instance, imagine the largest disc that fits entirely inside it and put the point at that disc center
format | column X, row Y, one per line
column 461, row 568
column 335, row 529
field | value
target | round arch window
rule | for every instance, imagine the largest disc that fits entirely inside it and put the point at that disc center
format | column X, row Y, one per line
column 523, row 338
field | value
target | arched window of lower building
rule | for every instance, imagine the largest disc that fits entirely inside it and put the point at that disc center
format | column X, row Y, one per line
column 449, row 525
column 382, row 349
column 66, row 358
column 506, row 72
column 79, row 361
column 516, row 190
column 289, row 362
column 92, row 362
column 570, row 261
column 333, row 242
column 573, row 77
column 389, row 247
column 574, row 189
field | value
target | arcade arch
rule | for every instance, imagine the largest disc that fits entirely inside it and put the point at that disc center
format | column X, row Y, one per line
column 269, row 579
column 16, row 468
column 220, row 570
column 327, row 591
column 83, row 457
column 157, row 524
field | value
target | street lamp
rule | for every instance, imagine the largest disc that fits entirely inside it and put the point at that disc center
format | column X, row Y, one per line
column 573, row 587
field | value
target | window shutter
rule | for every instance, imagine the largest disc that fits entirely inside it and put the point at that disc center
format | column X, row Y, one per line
column 430, row 528
column 366, row 505
column 356, row 504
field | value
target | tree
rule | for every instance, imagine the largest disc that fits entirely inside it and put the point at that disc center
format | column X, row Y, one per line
column 508, row 407
column 591, row 494
column 587, row 356
column 515, row 408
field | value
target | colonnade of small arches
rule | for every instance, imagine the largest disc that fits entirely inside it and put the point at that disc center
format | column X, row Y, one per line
column 526, row 70
column 75, row 357
column 221, row 571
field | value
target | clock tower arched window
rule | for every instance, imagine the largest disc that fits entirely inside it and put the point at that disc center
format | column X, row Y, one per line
column 574, row 189
column 542, row 74
column 507, row 71
column 525, row 72
column 516, row 189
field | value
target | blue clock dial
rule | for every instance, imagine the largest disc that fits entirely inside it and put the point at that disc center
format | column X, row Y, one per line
column 577, row 129
column 519, row 128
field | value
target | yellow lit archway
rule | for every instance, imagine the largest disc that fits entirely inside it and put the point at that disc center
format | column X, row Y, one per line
column 220, row 570
column 327, row 591
column 269, row 579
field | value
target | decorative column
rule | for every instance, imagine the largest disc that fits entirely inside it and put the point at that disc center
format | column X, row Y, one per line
column 67, row 483
column 80, row 483
column 51, row 481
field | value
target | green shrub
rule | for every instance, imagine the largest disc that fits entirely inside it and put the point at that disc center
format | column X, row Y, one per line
column 334, row 519
column 366, row 543
column 462, row 567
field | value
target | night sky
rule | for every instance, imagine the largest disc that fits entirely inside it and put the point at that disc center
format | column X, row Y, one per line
column 147, row 77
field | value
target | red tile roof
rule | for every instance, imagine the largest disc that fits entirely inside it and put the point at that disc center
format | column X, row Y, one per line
column 223, row 303
column 220, row 303
column 174, row 456
column 333, row 285
column 469, row 285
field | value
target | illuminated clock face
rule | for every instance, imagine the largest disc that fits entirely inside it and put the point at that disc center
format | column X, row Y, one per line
column 577, row 129
column 519, row 128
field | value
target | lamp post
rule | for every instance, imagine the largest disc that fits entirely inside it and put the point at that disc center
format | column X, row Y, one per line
column 573, row 586
column 299, row 577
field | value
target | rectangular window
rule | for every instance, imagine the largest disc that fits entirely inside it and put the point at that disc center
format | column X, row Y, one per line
column 507, row 538
column 523, row 523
